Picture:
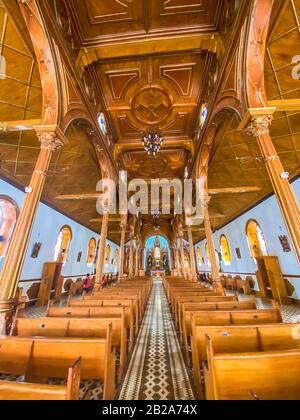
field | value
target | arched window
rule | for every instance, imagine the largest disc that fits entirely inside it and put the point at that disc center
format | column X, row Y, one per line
column 207, row 255
column 256, row 240
column 91, row 251
column 63, row 244
column 107, row 255
column 203, row 115
column 8, row 218
column 102, row 123
column 225, row 250
column 199, row 256
column 116, row 259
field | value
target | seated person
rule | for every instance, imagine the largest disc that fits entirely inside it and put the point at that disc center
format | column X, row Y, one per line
column 87, row 284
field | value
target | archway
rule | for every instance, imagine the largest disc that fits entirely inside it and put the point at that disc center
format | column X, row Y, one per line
column 256, row 240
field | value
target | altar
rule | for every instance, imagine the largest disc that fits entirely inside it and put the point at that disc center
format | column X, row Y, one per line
column 157, row 260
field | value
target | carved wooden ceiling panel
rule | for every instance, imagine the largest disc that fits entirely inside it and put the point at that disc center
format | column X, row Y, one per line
column 107, row 20
column 160, row 92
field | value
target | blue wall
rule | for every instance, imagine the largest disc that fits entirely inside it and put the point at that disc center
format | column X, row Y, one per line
column 45, row 230
column 268, row 215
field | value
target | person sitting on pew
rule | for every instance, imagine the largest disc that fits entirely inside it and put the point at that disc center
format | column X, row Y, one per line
column 87, row 284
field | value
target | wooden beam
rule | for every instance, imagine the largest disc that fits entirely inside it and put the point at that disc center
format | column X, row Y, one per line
column 22, row 125
column 238, row 190
column 285, row 104
column 77, row 197
column 142, row 47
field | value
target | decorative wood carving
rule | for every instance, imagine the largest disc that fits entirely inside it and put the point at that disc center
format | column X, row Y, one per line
column 181, row 76
column 120, row 81
column 151, row 106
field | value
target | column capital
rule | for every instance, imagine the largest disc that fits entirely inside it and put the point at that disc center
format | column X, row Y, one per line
column 49, row 141
column 206, row 201
column 259, row 125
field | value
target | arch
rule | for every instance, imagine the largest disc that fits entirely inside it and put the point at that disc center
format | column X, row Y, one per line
column 255, row 53
column 62, row 245
column 256, row 239
column 9, row 212
column 225, row 250
column 107, row 255
column 91, row 251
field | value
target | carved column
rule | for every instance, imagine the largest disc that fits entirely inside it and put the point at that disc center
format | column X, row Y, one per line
column 131, row 258
column 122, row 250
column 192, row 253
column 16, row 252
column 260, row 127
column 101, row 252
column 211, row 248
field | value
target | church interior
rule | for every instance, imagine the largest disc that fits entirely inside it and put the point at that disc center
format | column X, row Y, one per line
column 149, row 305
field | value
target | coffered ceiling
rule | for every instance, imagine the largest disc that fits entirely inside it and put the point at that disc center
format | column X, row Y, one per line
column 105, row 21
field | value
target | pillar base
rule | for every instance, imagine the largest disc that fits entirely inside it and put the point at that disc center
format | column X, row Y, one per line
column 218, row 287
column 97, row 288
column 7, row 313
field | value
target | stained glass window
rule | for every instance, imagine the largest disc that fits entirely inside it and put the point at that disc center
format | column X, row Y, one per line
column 203, row 115
column 102, row 123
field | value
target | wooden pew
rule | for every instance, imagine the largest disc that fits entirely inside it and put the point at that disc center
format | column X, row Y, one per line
column 238, row 339
column 229, row 317
column 96, row 309
column 269, row 375
column 76, row 327
column 12, row 390
column 51, row 358
column 134, row 297
column 198, row 299
column 189, row 308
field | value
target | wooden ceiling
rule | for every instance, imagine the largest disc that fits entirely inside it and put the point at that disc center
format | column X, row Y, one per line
column 98, row 22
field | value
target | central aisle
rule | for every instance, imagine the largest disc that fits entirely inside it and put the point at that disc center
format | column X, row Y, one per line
column 157, row 370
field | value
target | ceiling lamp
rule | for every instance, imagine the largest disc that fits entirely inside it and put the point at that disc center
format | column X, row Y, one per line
column 152, row 143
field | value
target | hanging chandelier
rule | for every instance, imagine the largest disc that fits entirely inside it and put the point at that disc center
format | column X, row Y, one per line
column 152, row 143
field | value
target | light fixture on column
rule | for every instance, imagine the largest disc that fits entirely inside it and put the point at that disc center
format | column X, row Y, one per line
column 152, row 143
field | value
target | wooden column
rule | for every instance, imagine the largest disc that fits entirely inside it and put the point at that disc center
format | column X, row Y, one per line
column 211, row 248
column 177, row 259
column 142, row 260
column 122, row 251
column 260, row 127
column 137, row 258
column 192, row 253
column 182, row 256
column 14, row 260
column 101, row 252
column 131, row 258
